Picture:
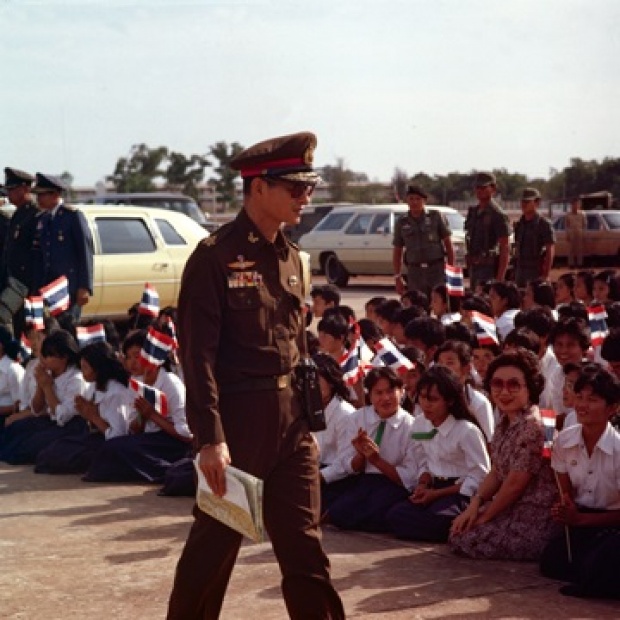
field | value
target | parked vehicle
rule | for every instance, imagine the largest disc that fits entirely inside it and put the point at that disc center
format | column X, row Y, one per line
column 160, row 200
column 310, row 217
column 135, row 245
column 601, row 239
column 357, row 240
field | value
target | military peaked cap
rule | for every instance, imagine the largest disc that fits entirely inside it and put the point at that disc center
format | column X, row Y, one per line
column 14, row 178
column 530, row 193
column 485, row 178
column 417, row 191
column 48, row 183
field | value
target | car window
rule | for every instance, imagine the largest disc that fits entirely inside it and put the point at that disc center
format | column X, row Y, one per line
column 593, row 222
column 559, row 223
column 124, row 236
column 334, row 221
column 168, row 232
column 612, row 220
column 359, row 225
column 381, row 224
column 455, row 220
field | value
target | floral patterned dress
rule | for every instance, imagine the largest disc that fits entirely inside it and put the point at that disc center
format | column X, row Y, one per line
column 521, row 531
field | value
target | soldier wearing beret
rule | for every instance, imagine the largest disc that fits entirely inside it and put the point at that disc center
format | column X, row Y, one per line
column 241, row 331
column 17, row 257
column 63, row 243
column 486, row 234
column 426, row 237
column 534, row 240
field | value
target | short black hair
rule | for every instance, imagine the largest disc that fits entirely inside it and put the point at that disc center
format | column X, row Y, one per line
column 539, row 319
column 63, row 345
column 574, row 309
column 523, row 337
column 610, row 349
column 417, row 298
column 427, row 330
column 527, row 363
column 383, row 372
column 102, row 358
column 335, row 325
column 576, row 328
column 542, row 292
column 388, row 309
column 507, row 291
column 328, row 292
column 602, row 382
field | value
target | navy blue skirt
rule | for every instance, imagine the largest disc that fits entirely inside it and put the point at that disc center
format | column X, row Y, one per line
column 144, row 457
column 69, row 455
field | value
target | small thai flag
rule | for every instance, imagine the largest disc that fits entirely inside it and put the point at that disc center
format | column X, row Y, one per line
column 25, row 348
column 455, row 283
column 169, row 324
column 33, row 312
column 486, row 332
column 154, row 396
column 88, row 335
column 149, row 304
column 56, row 295
column 351, row 367
column 390, row 355
column 548, row 419
column 598, row 325
column 156, row 348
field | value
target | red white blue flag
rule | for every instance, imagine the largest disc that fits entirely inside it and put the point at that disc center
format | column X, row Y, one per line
column 149, row 304
column 548, row 419
column 390, row 355
column 486, row 331
column 25, row 348
column 33, row 312
column 89, row 334
column 169, row 324
column 154, row 396
column 351, row 368
column 597, row 316
column 156, row 348
column 56, row 295
column 455, row 284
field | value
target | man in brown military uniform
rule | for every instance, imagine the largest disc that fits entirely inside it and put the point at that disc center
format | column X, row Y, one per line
column 486, row 234
column 240, row 330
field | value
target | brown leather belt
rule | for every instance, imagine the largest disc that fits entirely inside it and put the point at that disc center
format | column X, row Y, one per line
column 257, row 384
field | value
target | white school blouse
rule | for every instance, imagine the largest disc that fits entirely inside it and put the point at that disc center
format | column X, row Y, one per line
column 115, row 405
column 11, row 376
column 456, row 451
column 66, row 386
column 482, row 410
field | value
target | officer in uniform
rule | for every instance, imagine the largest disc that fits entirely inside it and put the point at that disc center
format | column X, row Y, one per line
column 534, row 241
column 17, row 257
column 486, row 234
column 426, row 237
column 240, row 332
column 63, row 243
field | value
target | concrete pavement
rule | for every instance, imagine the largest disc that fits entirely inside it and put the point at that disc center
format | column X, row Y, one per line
column 71, row 550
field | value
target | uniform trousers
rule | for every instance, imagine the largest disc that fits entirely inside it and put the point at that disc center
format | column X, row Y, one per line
column 267, row 438
column 525, row 274
column 595, row 566
column 426, row 278
column 481, row 274
column 575, row 248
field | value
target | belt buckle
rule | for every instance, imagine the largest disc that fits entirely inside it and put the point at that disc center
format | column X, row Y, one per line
column 282, row 382
column 423, row 264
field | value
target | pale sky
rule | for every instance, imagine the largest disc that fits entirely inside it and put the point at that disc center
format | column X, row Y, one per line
column 425, row 85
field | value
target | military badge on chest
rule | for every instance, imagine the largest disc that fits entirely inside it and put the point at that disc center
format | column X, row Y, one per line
column 242, row 276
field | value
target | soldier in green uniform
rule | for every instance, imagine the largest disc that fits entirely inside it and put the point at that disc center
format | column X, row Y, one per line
column 17, row 255
column 486, row 234
column 425, row 237
column 241, row 327
column 534, row 241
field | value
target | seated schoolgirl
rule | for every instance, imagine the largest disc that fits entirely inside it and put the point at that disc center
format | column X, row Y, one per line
column 59, row 381
column 106, row 407
column 457, row 357
column 453, row 457
column 445, row 307
column 11, row 375
column 586, row 457
column 379, row 456
column 156, row 439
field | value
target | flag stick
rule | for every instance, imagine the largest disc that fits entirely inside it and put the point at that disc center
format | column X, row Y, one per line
column 566, row 530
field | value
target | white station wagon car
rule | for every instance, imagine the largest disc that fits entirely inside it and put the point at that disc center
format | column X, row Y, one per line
column 357, row 240
column 601, row 238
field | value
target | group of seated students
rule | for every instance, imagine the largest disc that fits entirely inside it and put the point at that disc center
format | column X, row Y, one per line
column 505, row 447
column 101, row 409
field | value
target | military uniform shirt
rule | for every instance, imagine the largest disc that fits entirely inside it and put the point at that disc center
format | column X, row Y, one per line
column 531, row 237
column 484, row 228
column 241, row 298
column 18, row 249
column 422, row 237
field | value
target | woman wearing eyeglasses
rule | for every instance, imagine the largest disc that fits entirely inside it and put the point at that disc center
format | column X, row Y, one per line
column 509, row 517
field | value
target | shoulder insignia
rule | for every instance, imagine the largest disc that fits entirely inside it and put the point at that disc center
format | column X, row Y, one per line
column 209, row 241
column 252, row 238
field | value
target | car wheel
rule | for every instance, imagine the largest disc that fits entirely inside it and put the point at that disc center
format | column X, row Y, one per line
column 335, row 273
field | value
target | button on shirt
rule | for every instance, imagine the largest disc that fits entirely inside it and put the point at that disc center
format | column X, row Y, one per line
column 456, row 451
column 396, row 447
column 596, row 478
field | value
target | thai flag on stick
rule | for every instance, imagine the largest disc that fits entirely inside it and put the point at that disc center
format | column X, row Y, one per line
column 88, row 335
column 454, row 281
column 486, row 332
column 25, row 348
column 154, row 396
column 56, row 295
column 33, row 312
column 351, row 368
column 598, row 325
column 390, row 355
column 156, row 348
column 149, row 304
column 548, row 419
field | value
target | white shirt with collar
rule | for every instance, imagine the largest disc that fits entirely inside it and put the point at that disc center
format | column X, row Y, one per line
column 11, row 377
column 334, row 435
column 66, row 386
column 456, row 451
column 29, row 383
column 115, row 405
column 505, row 323
column 482, row 410
column 396, row 446
column 595, row 479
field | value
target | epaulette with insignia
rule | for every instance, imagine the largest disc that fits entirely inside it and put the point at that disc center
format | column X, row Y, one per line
column 69, row 207
column 221, row 233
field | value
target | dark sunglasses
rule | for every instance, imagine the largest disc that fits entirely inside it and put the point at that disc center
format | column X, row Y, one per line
column 296, row 189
